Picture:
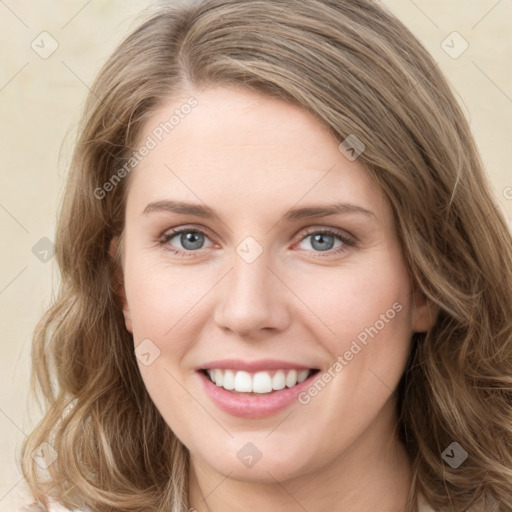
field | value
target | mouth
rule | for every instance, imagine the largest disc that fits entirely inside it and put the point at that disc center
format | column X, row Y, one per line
column 257, row 383
column 255, row 388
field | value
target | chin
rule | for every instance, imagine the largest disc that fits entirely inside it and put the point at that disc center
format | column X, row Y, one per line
column 251, row 459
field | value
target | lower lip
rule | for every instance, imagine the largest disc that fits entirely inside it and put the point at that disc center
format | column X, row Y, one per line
column 253, row 405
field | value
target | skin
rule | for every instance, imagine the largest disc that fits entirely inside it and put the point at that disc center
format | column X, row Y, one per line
column 251, row 159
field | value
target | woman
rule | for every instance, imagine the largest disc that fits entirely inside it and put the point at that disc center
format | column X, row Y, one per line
column 285, row 282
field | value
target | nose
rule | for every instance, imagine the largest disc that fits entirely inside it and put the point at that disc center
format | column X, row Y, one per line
column 252, row 300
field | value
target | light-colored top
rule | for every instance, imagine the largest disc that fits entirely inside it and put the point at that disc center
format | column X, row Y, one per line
column 55, row 507
column 20, row 499
column 423, row 505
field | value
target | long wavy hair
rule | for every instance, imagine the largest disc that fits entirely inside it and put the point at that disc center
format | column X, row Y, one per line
column 356, row 68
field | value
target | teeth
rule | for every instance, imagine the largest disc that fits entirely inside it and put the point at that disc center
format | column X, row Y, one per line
column 278, row 380
column 218, row 377
column 228, row 382
column 259, row 382
column 262, row 383
column 291, row 378
column 243, row 382
column 302, row 376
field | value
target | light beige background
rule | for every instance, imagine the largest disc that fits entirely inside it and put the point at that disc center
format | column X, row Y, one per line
column 40, row 101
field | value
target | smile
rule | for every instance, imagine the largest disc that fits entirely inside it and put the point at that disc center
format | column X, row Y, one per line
column 261, row 382
column 254, row 389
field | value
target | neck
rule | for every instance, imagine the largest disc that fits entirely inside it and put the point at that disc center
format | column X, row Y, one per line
column 373, row 473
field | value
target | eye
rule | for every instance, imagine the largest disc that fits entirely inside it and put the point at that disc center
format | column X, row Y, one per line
column 191, row 240
column 185, row 241
column 327, row 241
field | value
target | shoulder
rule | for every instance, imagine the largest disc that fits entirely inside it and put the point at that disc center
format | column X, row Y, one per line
column 423, row 506
column 20, row 499
column 32, row 506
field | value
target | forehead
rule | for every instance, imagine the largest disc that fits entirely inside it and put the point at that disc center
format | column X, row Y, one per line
column 238, row 144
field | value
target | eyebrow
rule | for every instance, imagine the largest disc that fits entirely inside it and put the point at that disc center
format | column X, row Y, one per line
column 203, row 211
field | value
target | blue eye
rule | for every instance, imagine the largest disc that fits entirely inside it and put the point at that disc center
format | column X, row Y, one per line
column 191, row 240
column 323, row 242
column 328, row 241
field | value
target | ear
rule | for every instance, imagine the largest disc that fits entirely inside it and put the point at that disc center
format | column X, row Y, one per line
column 118, row 280
column 424, row 313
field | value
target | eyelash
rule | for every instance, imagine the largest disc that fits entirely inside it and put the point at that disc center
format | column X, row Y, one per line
column 347, row 241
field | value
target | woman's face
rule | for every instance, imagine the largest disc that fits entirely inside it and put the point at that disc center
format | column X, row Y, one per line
column 286, row 266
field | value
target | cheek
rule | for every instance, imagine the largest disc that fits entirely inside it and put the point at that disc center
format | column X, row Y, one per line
column 368, row 312
column 349, row 299
column 164, row 301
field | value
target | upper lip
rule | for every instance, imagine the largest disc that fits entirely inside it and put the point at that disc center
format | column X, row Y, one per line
column 253, row 366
